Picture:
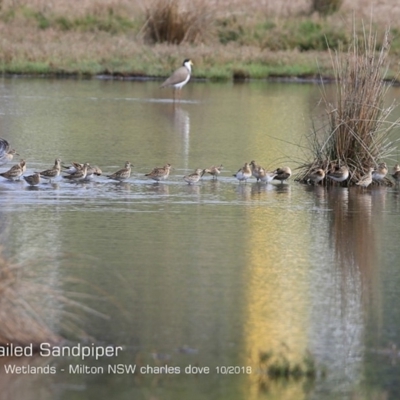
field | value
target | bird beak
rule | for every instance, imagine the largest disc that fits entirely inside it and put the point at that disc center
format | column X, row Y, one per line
column 190, row 62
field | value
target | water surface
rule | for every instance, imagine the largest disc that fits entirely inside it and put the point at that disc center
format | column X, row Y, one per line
column 208, row 275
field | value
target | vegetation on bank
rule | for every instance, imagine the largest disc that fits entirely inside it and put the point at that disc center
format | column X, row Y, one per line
column 132, row 38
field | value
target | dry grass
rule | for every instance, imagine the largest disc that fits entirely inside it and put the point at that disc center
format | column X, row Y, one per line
column 30, row 310
column 383, row 11
column 359, row 128
column 21, row 318
column 27, row 50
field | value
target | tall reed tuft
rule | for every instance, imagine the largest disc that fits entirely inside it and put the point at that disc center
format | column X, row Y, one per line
column 174, row 22
column 358, row 130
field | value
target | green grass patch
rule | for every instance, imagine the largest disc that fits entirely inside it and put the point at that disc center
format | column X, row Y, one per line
column 113, row 24
column 302, row 34
column 110, row 21
column 257, row 71
column 83, row 68
column 29, row 68
column 316, row 36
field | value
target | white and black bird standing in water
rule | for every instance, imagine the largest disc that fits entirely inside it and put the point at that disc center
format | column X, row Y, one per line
column 179, row 77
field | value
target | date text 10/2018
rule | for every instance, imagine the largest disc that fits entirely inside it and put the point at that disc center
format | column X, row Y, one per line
column 233, row 370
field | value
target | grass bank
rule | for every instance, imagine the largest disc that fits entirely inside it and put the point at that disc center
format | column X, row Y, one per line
column 225, row 39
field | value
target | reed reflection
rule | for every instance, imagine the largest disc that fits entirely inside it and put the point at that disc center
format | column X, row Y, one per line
column 344, row 286
column 352, row 234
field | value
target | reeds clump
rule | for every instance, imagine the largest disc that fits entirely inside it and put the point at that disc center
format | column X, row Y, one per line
column 358, row 130
column 22, row 321
column 174, row 22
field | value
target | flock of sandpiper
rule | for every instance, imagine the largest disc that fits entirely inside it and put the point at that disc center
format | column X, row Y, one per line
column 342, row 173
column 336, row 173
column 77, row 172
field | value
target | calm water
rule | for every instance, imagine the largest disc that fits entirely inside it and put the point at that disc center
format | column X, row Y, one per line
column 210, row 275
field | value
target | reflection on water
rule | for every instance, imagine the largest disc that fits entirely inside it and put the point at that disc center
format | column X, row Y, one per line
column 212, row 274
column 182, row 125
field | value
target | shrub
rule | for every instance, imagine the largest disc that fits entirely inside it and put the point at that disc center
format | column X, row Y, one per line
column 325, row 7
column 313, row 36
column 168, row 21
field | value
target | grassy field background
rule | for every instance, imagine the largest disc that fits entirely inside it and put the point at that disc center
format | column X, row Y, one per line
column 225, row 39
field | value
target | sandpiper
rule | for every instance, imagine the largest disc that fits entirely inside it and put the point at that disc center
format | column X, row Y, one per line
column 316, row 176
column 282, row 174
column 194, row 177
column 214, row 171
column 380, row 172
column 15, row 172
column 396, row 173
column 366, row 179
column 93, row 170
column 52, row 172
column 256, row 170
column 22, row 164
column 122, row 174
column 79, row 175
column 159, row 174
column 71, row 169
column 179, row 77
column 6, row 154
column 243, row 173
column 266, row 176
column 33, row 180
column 339, row 174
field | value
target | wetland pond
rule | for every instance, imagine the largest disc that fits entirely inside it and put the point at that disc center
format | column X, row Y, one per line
column 212, row 280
